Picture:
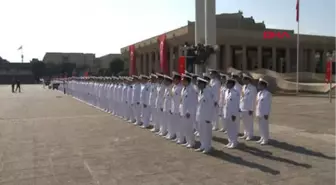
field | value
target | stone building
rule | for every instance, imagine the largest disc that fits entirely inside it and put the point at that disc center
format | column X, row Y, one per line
column 80, row 59
column 19, row 71
column 242, row 45
column 104, row 61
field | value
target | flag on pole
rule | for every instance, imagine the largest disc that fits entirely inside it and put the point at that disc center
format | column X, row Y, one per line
column 20, row 48
column 297, row 10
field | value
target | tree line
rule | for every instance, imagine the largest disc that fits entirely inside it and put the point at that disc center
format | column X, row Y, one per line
column 40, row 69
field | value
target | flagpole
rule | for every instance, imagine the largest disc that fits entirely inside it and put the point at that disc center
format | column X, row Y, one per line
column 297, row 46
column 297, row 57
column 21, row 54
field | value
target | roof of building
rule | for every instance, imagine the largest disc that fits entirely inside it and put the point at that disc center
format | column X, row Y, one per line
column 228, row 21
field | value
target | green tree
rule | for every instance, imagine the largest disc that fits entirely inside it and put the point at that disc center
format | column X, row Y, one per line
column 116, row 66
column 38, row 68
column 67, row 68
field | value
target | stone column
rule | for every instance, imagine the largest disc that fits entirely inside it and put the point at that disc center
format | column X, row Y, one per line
column 259, row 57
column 199, row 27
column 228, row 57
column 312, row 62
column 288, row 61
column 274, row 62
column 157, row 61
column 244, row 58
column 324, row 60
column 150, row 62
column 143, row 64
column 171, row 60
column 210, row 30
column 138, row 65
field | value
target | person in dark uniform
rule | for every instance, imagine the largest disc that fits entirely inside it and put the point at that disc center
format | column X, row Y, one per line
column 13, row 84
column 18, row 86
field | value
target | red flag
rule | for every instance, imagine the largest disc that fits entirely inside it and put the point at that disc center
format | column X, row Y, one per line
column 132, row 60
column 297, row 10
column 182, row 62
column 73, row 73
column 163, row 54
column 86, row 73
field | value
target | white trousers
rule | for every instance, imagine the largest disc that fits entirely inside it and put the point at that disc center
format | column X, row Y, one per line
column 248, row 123
column 232, row 130
column 137, row 112
column 189, row 129
column 215, row 118
column 155, row 118
column 263, row 128
column 146, row 115
column 180, row 130
column 171, row 125
column 205, row 134
column 129, row 112
column 164, row 119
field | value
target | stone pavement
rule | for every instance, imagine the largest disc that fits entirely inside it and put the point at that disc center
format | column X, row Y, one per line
column 47, row 138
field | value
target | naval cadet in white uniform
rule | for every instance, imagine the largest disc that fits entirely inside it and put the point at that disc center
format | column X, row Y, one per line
column 231, row 113
column 204, row 114
column 136, row 100
column 188, row 110
column 144, row 100
column 159, row 103
column 238, row 86
column 166, row 127
column 175, row 105
column 215, row 85
column 152, row 99
column 224, row 78
column 247, row 106
column 263, row 110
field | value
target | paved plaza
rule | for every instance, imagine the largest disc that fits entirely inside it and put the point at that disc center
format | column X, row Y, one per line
column 47, row 138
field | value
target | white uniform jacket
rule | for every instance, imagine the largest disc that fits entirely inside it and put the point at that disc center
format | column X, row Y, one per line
column 248, row 98
column 264, row 102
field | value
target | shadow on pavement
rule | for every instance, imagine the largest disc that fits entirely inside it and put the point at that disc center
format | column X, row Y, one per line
column 268, row 155
column 238, row 160
column 298, row 149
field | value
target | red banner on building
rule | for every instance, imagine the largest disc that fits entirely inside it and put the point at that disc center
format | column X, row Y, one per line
column 132, row 60
column 182, row 64
column 163, row 54
column 328, row 72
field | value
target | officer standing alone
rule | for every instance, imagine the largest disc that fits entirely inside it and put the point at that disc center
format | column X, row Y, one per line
column 263, row 109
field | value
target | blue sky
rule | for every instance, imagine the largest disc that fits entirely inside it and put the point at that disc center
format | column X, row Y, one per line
column 104, row 26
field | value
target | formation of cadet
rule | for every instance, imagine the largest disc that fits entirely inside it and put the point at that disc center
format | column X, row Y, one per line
column 181, row 107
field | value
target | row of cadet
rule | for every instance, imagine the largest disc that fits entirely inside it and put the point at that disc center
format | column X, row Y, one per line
column 181, row 107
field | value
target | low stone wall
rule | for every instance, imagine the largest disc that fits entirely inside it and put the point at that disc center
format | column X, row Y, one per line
column 309, row 82
column 24, row 79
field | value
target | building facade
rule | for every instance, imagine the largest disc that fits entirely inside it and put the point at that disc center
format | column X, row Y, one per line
column 80, row 59
column 104, row 61
column 242, row 45
column 17, row 71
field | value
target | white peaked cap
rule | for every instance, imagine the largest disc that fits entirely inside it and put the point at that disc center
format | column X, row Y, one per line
column 202, row 80
column 263, row 80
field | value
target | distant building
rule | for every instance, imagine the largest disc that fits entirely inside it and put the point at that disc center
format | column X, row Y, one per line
column 104, row 61
column 19, row 71
column 242, row 45
column 80, row 59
